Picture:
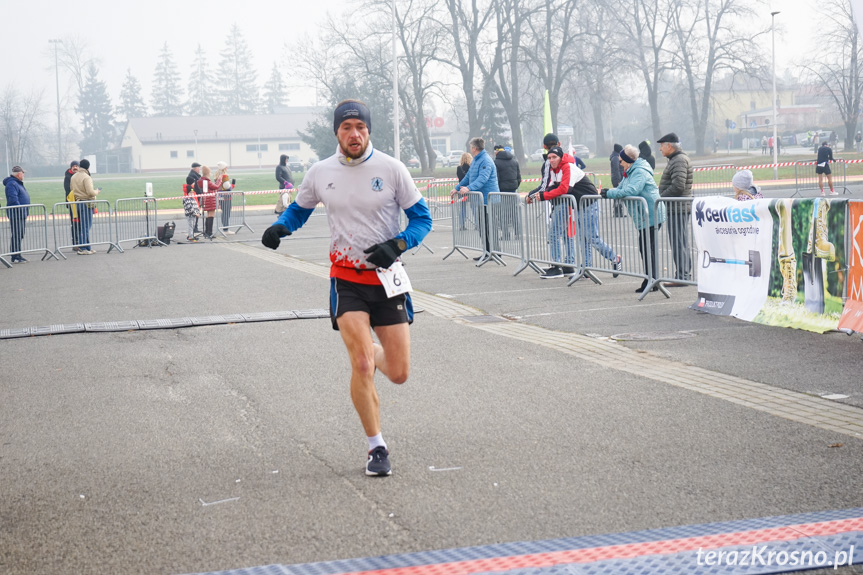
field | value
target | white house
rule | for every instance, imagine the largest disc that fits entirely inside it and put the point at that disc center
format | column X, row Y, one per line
column 174, row 142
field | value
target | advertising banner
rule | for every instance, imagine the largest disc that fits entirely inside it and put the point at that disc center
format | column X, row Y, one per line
column 777, row 262
column 852, row 315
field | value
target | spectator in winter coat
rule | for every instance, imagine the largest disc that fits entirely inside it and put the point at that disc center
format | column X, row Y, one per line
column 646, row 153
column 222, row 181
column 69, row 197
column 508, row 180
column 83, row 190
column 743, row 184
column 208, row 190
column 639, row 182
column 17, row 204
column 562, row 176
column 481, row 177
column 283, row 172
column 192, row 211
column 676, row 182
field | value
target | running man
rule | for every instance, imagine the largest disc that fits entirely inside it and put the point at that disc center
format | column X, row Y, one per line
column 363, row 191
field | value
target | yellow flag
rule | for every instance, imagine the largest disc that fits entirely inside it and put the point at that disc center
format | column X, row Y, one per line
column 547, row 125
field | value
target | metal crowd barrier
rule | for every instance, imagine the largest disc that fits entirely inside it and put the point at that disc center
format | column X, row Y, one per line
column 23, row 230
column 231, row 214
column 676, row 253
column 470, row 234
column 91, row 226
column 135, row 220
column 506, row 237
column 438, row 199
column 602, row 238
column 551, row 230
column 713, row 180
column 805, row 177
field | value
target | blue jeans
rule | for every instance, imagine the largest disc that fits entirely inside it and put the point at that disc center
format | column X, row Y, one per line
column 589, row 224
column 85, row 221
column 557, row 232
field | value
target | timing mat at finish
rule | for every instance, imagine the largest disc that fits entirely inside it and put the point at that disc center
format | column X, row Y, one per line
column 749, row 546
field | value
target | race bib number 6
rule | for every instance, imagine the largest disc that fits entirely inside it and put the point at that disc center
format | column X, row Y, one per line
column 395, row 279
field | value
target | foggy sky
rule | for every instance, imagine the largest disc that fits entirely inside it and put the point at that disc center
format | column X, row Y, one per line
column 130, row 35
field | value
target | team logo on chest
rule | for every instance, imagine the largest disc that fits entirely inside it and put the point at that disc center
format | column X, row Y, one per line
column 377, row 184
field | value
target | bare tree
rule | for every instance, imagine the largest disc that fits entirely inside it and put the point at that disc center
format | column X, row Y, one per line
column 552, row 57
column 21, row 122
column 709, row 40
column 507, row 65
column 838, row 65
column 74, row 57
column 648, row 34
column 467, row 21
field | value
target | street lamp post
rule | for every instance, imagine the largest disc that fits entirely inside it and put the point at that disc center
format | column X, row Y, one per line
column 396, row 142
column 57, row 78
column 775, row 140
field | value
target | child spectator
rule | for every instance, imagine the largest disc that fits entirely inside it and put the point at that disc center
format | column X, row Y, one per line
column 192, row 211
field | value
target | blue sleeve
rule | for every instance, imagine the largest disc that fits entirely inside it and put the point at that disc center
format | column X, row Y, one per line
column 419, row 224
column 484, row 174
column 294, row 217
column 580, row 163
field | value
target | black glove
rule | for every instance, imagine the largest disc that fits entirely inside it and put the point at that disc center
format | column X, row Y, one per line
column 384, row 254
column 603, row 192
column 273, row 236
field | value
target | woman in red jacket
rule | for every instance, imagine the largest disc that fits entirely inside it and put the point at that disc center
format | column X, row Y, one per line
column 206, row 187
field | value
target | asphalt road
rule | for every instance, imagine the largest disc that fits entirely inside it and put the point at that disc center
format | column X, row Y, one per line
column 229, row 446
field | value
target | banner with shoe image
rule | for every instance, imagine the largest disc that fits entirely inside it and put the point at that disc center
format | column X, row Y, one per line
column 852, row 315
column 776, row 262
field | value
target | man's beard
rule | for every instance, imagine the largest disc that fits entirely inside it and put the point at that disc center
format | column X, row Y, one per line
column 357, row 155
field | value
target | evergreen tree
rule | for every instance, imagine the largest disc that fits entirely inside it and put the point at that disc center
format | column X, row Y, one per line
column 237, row 79
column 275, row 93
column 131, row 101
column 167, row 89
column 201, row 87
column 94, row 107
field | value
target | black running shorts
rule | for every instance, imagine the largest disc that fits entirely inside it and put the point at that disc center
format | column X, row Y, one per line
column 348, row 296
column 825, row 169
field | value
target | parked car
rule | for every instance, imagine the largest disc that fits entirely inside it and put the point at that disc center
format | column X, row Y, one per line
column 414, row 162
column 454, row 158
column 295, row 164
column 537, row 155
column 582, row 151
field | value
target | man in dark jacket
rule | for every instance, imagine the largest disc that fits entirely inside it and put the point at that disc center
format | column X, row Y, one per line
column 508, row 180
column 645, row 152
column 283, row 172
column 676, row 182
column 822, row 167
column 616, row 176
column 17, row 202
column 191, row 180
column 67, row 186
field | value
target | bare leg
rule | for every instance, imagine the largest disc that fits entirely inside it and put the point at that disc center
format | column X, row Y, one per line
column 393, row 355
column 356, row 333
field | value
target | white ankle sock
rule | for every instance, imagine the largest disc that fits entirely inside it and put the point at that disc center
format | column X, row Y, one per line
column 376, row 441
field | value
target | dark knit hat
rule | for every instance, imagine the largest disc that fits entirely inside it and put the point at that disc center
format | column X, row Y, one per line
column 352, row 110
column 557, row 151
column 550, row 140
column 73, row 164
column 617, row 148
column 85, row 163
